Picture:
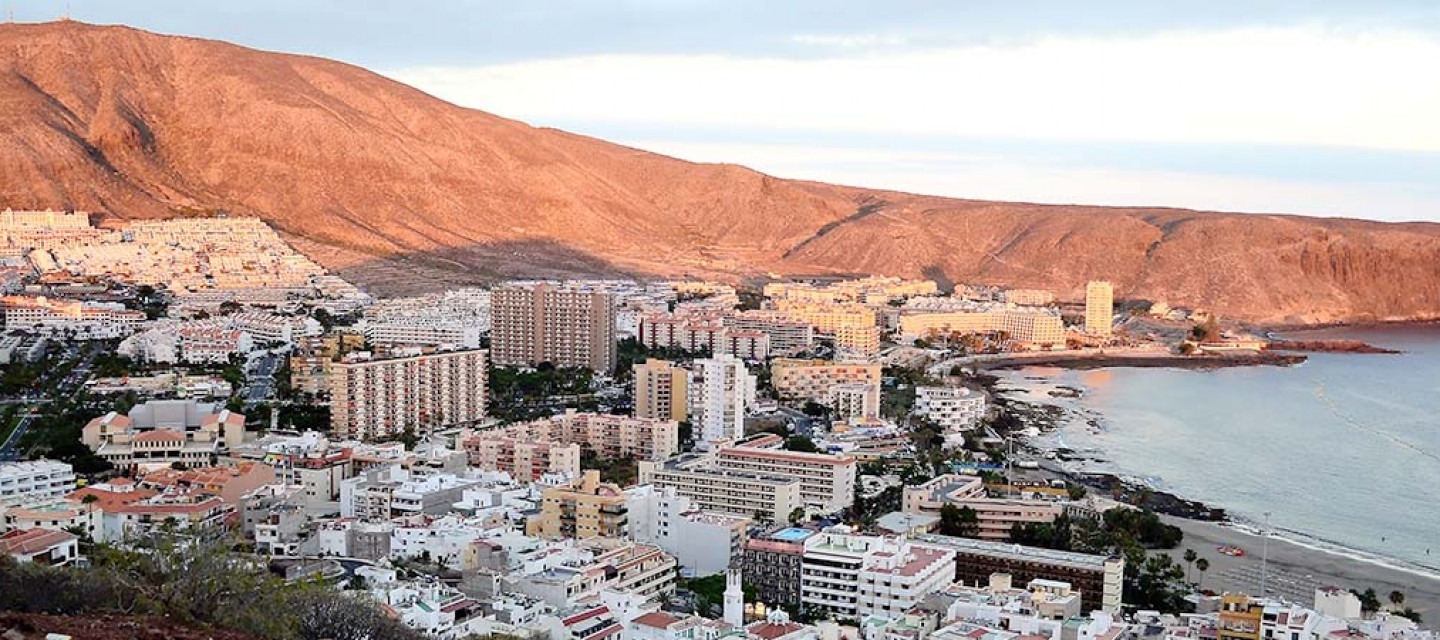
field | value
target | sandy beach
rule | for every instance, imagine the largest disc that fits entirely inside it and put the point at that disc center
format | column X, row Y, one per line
column 1295, row 571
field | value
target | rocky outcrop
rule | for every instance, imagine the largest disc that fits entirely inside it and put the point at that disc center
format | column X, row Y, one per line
column 401, row 190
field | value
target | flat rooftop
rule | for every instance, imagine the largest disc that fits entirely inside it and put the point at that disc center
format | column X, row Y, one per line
column 1012, row 551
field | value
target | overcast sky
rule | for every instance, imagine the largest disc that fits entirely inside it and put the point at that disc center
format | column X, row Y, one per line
column 1326, row 108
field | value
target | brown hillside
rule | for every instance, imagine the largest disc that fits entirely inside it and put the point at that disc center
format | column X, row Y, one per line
column 401, row 190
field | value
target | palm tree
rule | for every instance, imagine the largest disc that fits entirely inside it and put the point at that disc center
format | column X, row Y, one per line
column 1190, row 558
column 1203, row 565
column 1397, row 598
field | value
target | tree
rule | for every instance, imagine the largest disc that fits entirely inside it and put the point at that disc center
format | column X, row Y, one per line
column 801, row 443
column 796, row 515
column 959, row 521
column 1397, row 598
column 1190, row 558
column 1202, row 565
column 1369, row 600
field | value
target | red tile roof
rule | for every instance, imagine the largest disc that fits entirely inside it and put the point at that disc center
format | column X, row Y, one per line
column 32, row 541
column 657, row 619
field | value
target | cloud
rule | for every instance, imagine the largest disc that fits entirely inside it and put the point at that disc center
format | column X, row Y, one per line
column 990, row 177
column 1283, row 86
column 855, row 41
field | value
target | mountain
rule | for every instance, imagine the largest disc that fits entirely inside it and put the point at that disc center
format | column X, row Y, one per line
column 401, row 191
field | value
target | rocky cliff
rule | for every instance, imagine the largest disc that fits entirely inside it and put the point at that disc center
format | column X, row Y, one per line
column 401, row 190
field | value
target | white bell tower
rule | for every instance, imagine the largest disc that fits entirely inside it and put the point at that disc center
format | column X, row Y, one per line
column 734, row 599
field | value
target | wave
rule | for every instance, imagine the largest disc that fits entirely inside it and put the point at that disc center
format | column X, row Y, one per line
column 1356, row 424
column 1337, row 549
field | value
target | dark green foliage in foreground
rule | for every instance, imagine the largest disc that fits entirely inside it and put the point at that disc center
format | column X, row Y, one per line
column 202, row 584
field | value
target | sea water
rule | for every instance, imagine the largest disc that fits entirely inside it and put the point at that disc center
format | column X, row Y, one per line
column 1342, row 452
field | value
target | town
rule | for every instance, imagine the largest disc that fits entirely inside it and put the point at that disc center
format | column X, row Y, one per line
column 681, row 459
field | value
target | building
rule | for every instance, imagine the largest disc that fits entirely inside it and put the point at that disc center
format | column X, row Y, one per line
column 581, row 572
column 162, row 432
column 601, row 434
column 311, row 357
column 41, row 546
column 34, row 481
column 1240, row 616
column 853, row 400
column 1031, row 326
column 951, row 408
column 661, row 391
column 702, row 543
column 80, row 320
column 422, row 331
column 996, row 516
column 1030, row 297
column 827, row 482
column 212, row 345
column 857, row 343
column 567, row 325
column 772, row 565
column 849, row 577
column 716, row 490
column 379, row 397
column 719, row 391
column 585, row 508
column 522, row 458
column 1098, row 579
column 811, row 379
column 786, row 337
column 1099, row 308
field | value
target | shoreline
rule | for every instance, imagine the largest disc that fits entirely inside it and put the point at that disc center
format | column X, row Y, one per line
column 1296, row 568
column 1298, row 562
column 1085, row 361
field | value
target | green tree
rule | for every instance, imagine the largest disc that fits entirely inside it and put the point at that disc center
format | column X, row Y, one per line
column 796, row 515
column 801, row 443
column 1190, row 558
column 1397, row 598
column 1202, row 565
column 959, row 521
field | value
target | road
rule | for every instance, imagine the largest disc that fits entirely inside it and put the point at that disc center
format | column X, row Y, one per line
column 261, row 379
column 68, row 386
column 802, row 424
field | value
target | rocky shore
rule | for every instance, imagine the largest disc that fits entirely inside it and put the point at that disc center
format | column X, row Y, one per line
column 1328, row 346
column 1177, row 361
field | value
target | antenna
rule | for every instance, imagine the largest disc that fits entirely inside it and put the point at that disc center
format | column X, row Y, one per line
column 66, row 17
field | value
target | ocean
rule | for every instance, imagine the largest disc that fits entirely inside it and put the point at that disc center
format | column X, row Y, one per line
column 1342, row 451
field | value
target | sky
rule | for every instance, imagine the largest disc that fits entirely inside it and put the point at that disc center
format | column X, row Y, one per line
column 1316, row 107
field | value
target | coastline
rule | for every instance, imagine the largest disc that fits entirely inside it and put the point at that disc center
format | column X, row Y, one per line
column 1298, row 563
column 1173, row 361
column 1296, row 568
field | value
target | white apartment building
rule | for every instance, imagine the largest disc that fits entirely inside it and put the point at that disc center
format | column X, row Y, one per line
column 29, row 482
column 720, row 390
column 827, row 482
column 422, row 331
column 213, row 345
column 378, row 397
column 717, row 490
column 703, row 543
column 580, row 572
column 851, row 576
column 952, row 408
column 268, row 327
column 853, row 400
column 80, row 320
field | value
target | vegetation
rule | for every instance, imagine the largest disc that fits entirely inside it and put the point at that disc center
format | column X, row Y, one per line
column 519, row 394
column 195, row 582
column 959, row 521
column 710, row 593
column 621, row 471
column 801, row 443
column 631, row 352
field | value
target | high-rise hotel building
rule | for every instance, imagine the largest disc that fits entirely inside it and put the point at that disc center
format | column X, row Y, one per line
column 1099, row 308
column 379, row 397
column 564, row 324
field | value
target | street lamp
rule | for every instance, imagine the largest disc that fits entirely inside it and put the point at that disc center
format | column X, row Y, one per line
column 1264, row 555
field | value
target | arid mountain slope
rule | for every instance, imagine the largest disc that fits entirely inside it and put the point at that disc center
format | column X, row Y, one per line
column 402, row 190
